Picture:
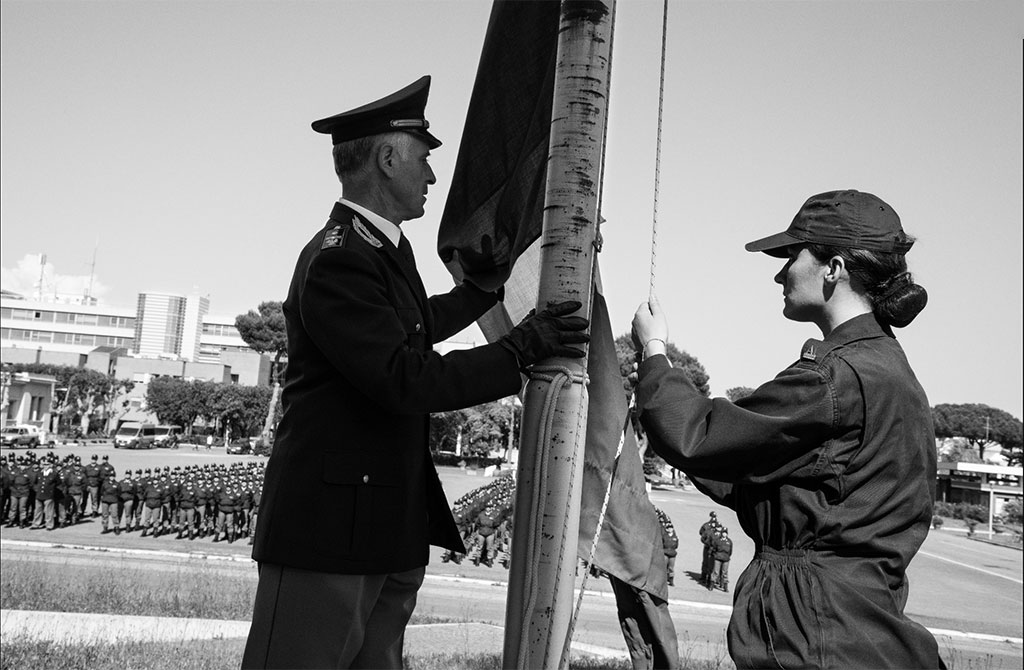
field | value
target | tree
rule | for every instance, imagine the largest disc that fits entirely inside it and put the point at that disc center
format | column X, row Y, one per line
column 737, row 392
column 176, row 401
column 264, row 330
column 980, row 425
column 690, row 366
column 445, row 428
column 239, row 409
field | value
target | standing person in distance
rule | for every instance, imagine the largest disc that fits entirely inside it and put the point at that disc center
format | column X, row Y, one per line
column 831, row 465
column 351, row 453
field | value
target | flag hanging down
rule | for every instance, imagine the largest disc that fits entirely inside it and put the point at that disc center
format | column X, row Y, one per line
column 490, row 232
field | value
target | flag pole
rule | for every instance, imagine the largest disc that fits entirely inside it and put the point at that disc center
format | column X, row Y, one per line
column 542, row 571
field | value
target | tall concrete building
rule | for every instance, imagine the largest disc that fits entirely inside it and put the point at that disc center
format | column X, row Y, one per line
column 170, row 325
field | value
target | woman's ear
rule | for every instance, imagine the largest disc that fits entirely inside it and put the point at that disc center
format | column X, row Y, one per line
column 835, row 270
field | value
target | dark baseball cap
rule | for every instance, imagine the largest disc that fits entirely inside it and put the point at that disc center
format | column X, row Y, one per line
column 400, row 111
column 847, row 219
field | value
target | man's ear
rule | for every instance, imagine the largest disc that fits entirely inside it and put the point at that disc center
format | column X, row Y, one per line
column 386, row 156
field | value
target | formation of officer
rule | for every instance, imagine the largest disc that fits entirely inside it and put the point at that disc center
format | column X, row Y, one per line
column 484, row 519
column 361, row 382
column 189, row 502
column 45, row 491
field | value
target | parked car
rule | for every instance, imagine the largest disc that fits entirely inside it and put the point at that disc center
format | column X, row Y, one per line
column 242, row 445
column 19, row 436
column 133, row 435
column 167, row 436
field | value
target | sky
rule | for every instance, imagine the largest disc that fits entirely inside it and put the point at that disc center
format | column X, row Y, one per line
column 165, row 146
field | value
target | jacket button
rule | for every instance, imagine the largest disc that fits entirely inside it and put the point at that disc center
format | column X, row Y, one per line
column 366, row 478
column 418, row 327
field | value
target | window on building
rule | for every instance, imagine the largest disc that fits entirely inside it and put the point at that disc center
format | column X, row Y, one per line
column 86, row 319
column 23, row 314
column 78, row 338
column 35, row 410
column 40, row 336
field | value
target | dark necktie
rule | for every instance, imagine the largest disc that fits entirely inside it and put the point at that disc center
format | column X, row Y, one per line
column 405, row 249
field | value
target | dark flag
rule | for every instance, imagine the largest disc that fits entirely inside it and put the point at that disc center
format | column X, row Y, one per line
column 490, row 232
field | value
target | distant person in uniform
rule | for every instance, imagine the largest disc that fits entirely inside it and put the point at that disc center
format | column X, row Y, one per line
column 351, row 456
column 721, row 552
column 706, row 532
column 830, row 466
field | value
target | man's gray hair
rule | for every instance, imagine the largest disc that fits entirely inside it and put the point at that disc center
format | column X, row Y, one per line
column 354, row 158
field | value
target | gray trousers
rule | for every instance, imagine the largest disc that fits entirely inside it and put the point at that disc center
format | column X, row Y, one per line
column 306, row 619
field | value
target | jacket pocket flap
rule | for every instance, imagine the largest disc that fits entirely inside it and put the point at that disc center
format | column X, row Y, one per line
column 356, row 470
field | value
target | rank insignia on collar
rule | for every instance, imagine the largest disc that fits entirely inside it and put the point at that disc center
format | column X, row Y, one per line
column 365, row 234
column 334, row 237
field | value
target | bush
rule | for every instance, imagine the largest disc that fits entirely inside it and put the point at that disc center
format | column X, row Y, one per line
column 1013, row 511
column 942, row 508
column 937, row 522
column 962, row 511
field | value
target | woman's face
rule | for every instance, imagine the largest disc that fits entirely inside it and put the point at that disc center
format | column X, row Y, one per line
column 803, row 286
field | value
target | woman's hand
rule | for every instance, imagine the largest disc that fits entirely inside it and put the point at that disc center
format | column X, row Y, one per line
column 650, row 329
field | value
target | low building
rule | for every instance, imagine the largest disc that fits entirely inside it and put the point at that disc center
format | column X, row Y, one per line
column 26, row 399
column 980, row 484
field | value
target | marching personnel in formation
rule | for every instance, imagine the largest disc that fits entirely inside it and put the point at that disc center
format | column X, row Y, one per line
column 46, row 489
column 188, row 498
column 106, row 469
column 361, row 382
column 6, row 478
column 127, row 491
column 92, row 482
column 75, row 489
column 257, row 496
column 226, row 501
column 110, row 498
column 152, row 495
column 20, row 483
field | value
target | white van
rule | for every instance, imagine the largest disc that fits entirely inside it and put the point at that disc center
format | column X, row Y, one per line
column 167, row 435
column 133, row 435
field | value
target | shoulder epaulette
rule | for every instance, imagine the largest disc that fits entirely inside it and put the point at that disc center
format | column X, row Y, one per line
column 334, row 237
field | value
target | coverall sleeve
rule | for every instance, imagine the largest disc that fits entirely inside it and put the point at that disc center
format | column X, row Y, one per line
column 756, row 440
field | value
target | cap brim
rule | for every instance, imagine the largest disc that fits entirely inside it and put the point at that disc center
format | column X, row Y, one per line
column 431, row 141
column 774, row 245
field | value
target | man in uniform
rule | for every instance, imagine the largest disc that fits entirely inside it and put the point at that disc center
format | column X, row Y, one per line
column 92, row 482
column 722, row 553
column 706, row 532
column 361, row 380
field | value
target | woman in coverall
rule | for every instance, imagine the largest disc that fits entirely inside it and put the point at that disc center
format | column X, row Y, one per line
column 830, row 466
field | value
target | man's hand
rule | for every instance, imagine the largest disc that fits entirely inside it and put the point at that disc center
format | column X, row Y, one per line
column 548, row 334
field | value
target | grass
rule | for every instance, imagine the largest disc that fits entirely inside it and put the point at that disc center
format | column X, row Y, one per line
column 195, row 590
column 209, row 655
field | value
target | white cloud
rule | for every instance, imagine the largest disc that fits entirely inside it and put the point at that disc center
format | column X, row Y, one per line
column 24, row 279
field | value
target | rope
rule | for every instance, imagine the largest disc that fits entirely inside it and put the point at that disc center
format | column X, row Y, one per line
column 657, row 159
column 557, row 377
column 654, row 258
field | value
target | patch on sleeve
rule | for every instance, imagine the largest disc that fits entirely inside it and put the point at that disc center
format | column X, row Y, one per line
column 365, row 234
column 335, row 237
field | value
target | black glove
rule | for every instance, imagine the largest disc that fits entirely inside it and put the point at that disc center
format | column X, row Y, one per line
column 546, row 335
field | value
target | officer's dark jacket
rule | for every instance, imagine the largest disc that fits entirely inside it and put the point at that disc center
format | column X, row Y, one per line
column 831, row 470
column 351, row 456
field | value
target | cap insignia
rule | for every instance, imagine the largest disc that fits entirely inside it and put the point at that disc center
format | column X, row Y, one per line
column 362, row 231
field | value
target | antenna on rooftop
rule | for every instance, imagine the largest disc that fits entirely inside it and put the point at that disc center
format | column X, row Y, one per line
column 42, row 269
column 92, row 270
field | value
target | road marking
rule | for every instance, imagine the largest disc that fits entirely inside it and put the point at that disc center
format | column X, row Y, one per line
column 972, row 567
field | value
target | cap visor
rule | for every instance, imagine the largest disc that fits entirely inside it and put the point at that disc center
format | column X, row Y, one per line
column 774, row 245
